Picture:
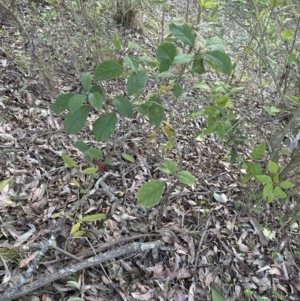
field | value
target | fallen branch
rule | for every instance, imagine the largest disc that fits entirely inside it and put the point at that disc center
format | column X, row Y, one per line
column 90, row 262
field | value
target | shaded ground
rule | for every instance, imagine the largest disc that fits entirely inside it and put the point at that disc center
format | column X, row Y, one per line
column 210, row 244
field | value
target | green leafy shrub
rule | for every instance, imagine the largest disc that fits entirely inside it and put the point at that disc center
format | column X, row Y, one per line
column 170, row 65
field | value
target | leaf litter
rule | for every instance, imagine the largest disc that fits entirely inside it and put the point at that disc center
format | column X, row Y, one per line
column 216, row 250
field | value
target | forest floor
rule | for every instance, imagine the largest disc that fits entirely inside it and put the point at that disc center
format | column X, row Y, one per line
column 214, row 248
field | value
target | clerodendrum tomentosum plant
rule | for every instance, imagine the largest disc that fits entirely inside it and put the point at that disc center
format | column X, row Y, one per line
column 170, row 65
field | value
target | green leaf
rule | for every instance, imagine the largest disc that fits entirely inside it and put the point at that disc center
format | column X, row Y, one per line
column 245, row 179
column 254, row 169
column 291, row 57
column 68, row 161
column 136, row 82
column 215, row 43
column 128, row 157
column 73, row 284
column 74, row 122
column 149, row 194
column 278, row 193
column 286, row 34
column 62, row 103
column 259, row 151
column 105, row 126
column 117, row 42
column 216, row 295
column 268, row 190
column 133, row 62
column 169, row 167
column 272, row 167
column 76, row 102
column 4, row 183
column 177, row 90
column 165, row 54
column 80, row 145
column 86, row 81
column 219, row 60
column 198, row 66
column 183, row 58
column 143, row 109
column 96, row 100
column 276, row 178
column 93, row 218
column 132, row 45
column 124, row 106
column 108, row 70
column 183, row 33
column 286, row 184
column 166, row 74
column 97, row 88
column 90, row 170
column 222, row 100
column 264, row 179
column 156, row 111
column 271, row 110
column 271, row 198
column 294, row 99
column 94, row 153
column 185, row 177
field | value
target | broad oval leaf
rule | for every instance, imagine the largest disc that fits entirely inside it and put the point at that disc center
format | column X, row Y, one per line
column 105, row 126
column 95, row 100
column 268, row 190
column 124, row 106
column 286, row 34
column 95, row 153
column 133, row 62
column 183, row 33
column 136, row 82
column 272, row 167
column 150, row 193
column 74, row 122
column 264, row 179
column 144, row 108
column 97, row 88
column 278, row 193
column 165, row 54
column 68, row 161
column 286, row 184
column 128, row 157
column 219, row 60
column 86, row 81
column 169, row 167
column 177, row 90
column 198, row 66
column 259, row 151
column 254, row 169
column 156, row 111
column 80, row 145
column 183, row 58
column 76, row 102
column 185, row 177
column 90, row 170
column 108, row 70
column 62, row 103
column 215, row 43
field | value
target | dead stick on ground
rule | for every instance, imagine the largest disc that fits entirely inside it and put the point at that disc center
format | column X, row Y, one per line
column 90, row 262
column 204, row 233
